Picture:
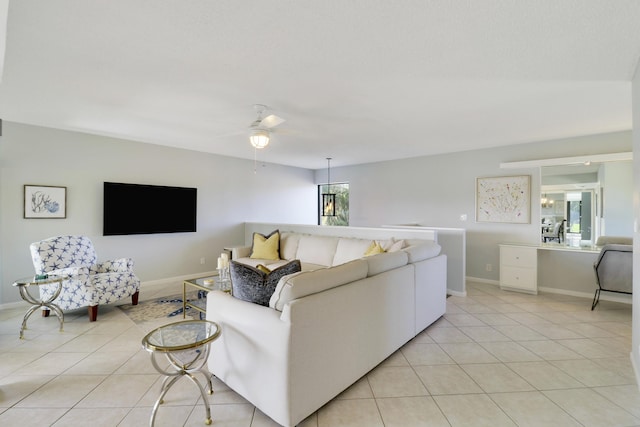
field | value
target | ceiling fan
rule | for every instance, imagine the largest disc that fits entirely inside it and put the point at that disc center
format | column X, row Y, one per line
column 260, row 129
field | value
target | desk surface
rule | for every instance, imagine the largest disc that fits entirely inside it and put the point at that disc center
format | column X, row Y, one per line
column 557, row 247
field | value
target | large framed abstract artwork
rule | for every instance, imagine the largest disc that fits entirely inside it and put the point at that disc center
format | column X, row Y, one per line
column 504, row 199
column 43, row 201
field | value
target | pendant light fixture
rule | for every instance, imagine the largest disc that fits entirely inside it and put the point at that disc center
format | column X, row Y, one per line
column 328, row 198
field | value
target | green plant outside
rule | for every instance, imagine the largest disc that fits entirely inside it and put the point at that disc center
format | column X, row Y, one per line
column 342, row 205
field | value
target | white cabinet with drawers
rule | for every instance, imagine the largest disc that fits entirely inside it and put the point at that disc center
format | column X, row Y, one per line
column 519, row 268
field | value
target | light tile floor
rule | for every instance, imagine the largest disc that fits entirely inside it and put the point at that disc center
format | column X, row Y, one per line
column 495, row 359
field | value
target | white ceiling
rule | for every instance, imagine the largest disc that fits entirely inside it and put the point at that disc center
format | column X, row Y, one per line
column 360, row 81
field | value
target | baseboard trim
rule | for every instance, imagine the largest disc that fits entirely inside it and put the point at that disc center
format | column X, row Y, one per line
column 604, row 296
column 175, row 280
column 484, row 281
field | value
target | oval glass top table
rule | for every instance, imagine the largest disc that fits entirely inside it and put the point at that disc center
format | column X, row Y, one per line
column 185, row 345
column 37, row 302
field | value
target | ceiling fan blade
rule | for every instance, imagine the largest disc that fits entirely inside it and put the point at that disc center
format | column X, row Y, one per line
column 271, row 121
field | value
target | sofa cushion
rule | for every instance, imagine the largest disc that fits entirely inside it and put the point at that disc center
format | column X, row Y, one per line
column 254, row 285
column 311, row 282
column 317, row 249
column 385, row 262
column 266, row 247
column 289, row 244
column 350, row 249
column 421, row 251
column 269, row 263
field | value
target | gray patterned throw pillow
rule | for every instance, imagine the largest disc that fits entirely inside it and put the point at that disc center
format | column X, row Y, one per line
column 253, row 285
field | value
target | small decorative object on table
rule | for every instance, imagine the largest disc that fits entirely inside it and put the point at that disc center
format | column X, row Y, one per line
column 186, row 347
column 223, row 266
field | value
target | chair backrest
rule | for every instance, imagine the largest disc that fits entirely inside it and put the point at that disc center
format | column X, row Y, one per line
column 62, row 252
column 614, row 268
column 607, row 240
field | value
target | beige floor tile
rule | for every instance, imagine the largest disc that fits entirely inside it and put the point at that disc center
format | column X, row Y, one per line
column 350, row 413
column 51, row 364
column 591, row 349
column 359, row 390
column 493, row 319
column 395, row 382
column 10, row 362
column 168, row 416
column 100, row 417
column 468, row 353
column 411, row 412
column 62, row 391
column 590, row 373
column 223, row 395
column 85, row 343
column 447, row 379
column 99, row 363
column 509, row 351
column 620, row 365
column 544, row 376
column 550, row 350
column 476, row 410
column 31, row 417
column 225, row 415
column 626, row 396
column 261, row 420
column 484, row 334
column 496, row 378
column 520, row 332
column 118, row 391
column 425, row 354
column 14, row 388
column 533, row 409
column 463, row 320
column 555, row 332
column 597, row 412
column 448, row 335
column 396, row 359
column 589, row 330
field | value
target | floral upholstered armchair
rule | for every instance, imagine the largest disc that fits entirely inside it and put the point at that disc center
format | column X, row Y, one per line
column 90, row 283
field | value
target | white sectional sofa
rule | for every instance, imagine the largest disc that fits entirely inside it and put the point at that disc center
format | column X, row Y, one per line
column 328, row 325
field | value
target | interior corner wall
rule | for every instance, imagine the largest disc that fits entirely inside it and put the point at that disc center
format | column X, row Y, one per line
column 229, row 194
column 440, row 190
column 635, row 321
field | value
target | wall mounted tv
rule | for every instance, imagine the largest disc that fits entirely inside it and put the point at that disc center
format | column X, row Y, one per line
column 148, row 209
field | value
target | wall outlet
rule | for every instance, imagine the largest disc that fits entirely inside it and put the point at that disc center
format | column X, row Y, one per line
column 489, row 267
column 463, row 217
column 202, row 260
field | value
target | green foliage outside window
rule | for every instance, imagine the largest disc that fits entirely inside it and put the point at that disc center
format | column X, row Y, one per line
column 342, row 204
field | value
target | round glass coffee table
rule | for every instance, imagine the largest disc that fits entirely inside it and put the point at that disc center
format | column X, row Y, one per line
column 185, row 345
column 35, row 281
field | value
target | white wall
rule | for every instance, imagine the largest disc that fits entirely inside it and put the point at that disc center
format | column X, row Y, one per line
column 618, row 207
column 436, row 190
column 635, row 321
column 229, row 193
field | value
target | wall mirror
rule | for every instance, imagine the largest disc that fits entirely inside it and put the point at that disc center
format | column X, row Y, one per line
column 581, row 201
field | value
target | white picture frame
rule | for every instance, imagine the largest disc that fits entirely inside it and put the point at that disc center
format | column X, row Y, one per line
column 504, row 199
column 45, row 201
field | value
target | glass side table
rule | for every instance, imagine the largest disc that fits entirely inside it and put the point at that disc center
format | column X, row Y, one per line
column 24, row 285
column 185, row 345
column 204, row 285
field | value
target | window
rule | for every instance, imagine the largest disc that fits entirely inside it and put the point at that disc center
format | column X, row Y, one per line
column 342, row 204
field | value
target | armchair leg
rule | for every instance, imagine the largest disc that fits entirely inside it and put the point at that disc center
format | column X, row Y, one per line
column 596, row 299
column 134, row 298
column 45, row 313
column 93, row 313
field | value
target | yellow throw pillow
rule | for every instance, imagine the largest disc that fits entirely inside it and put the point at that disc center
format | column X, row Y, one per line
column 266, row 247
column 263, row 268
column 373, row 249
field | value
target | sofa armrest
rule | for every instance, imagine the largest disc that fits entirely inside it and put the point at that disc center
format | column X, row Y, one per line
column 240, row 252
column 120, row 265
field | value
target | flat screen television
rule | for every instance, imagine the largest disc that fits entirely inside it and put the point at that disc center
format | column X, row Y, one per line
column 148, row 209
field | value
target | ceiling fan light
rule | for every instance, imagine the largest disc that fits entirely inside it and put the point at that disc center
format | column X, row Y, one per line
column 259, row 138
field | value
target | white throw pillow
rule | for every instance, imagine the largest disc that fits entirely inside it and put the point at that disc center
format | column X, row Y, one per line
column 350, row 249
column 317, row 249
column 288, row 244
